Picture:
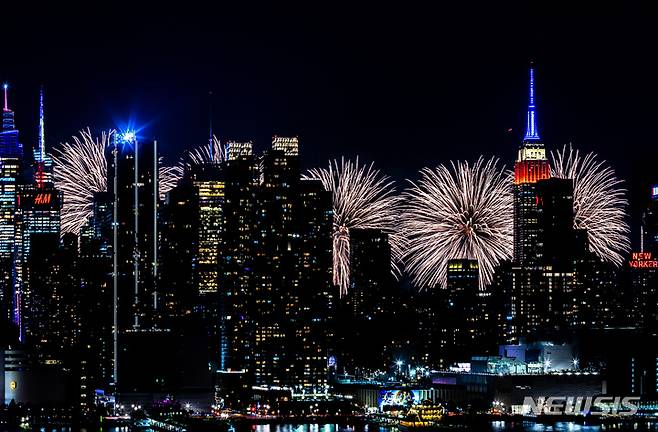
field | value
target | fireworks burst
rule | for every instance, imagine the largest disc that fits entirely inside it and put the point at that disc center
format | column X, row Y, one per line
column 80, row 170
column 201, row 155
column 599, row 202
column 363, row 198
column 458, row 211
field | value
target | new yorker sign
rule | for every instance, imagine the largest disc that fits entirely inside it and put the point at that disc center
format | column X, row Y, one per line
column 643, row 260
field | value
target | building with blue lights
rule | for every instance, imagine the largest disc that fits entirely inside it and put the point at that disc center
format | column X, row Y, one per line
column 11, row 173
column 37, row 245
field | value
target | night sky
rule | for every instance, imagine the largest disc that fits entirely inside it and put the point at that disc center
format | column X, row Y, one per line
column 403, row 87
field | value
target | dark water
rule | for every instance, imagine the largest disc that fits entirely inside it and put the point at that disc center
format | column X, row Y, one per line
column 493, row 426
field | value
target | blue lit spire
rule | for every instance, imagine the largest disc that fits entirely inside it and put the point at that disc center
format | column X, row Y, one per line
column 41, row 152
column 531, row 131
column 7, row 113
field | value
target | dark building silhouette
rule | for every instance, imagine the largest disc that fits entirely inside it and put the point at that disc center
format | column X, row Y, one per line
column 133, row 180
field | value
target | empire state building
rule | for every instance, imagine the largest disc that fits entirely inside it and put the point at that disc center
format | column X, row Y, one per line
column 530, row 167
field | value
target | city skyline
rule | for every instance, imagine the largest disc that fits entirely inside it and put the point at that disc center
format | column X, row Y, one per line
column 377, row 219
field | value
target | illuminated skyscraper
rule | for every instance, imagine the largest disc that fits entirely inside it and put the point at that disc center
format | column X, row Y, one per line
column 38, row 226
column 239, row 150
column 11, row 165
column 237, row 274
column 288, row 145
column 10, row 147
column 210, row 194
column 531, row 166
column 292, row 294
column 192, row 237
column 275, row 284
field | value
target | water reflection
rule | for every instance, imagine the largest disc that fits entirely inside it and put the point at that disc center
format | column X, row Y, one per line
column 493, row 426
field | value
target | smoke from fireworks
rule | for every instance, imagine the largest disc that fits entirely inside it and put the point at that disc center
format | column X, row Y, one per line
column 363, row 198
column 80, row 170
column 458, row 211
column 599, row 202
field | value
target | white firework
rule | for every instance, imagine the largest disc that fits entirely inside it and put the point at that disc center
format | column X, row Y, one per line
column 459, row 211
column 363, row 198
column 80, row 171
column 202, row 155
column 168, row 177
column 599, row 202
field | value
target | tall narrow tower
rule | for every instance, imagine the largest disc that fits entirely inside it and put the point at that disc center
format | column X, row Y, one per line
column 38, row 227
column 133, row 172
column 43, row 164
column 531, row 166
column 11, row 168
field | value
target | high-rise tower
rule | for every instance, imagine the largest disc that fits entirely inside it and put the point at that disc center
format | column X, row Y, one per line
column 531, row 166
column 133, row 170
column 38, row 225
column 43, row 164
column 11, row 157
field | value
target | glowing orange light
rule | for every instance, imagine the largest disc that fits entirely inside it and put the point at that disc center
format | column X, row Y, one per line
column 531, row 171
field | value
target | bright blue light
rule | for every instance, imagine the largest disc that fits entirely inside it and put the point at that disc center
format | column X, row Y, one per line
column 128, row 137
column 531, row 132
column 5, row 86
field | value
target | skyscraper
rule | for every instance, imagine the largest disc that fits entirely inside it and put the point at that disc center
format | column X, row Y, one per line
column 11, row 166
column 95, row 300
column 528, row 294
column 275, row 283
column 237, row 275
column 556, row 242
column 650, row 223
column 531, row 166
column 38, row 224
column 366, row 307
column 370, row 286
column 133, row 172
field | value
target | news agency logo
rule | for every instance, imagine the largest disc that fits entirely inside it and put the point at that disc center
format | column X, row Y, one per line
column 576, row 405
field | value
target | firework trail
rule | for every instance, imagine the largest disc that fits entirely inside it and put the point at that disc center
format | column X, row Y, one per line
column 599, row 201
column 201, row 155
column 168, row 177
column 461, row 211
column 80, row 170
column 363, row 198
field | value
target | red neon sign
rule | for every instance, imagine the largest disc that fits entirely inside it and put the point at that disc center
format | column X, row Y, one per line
column 642, row 260
column 42, row 198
